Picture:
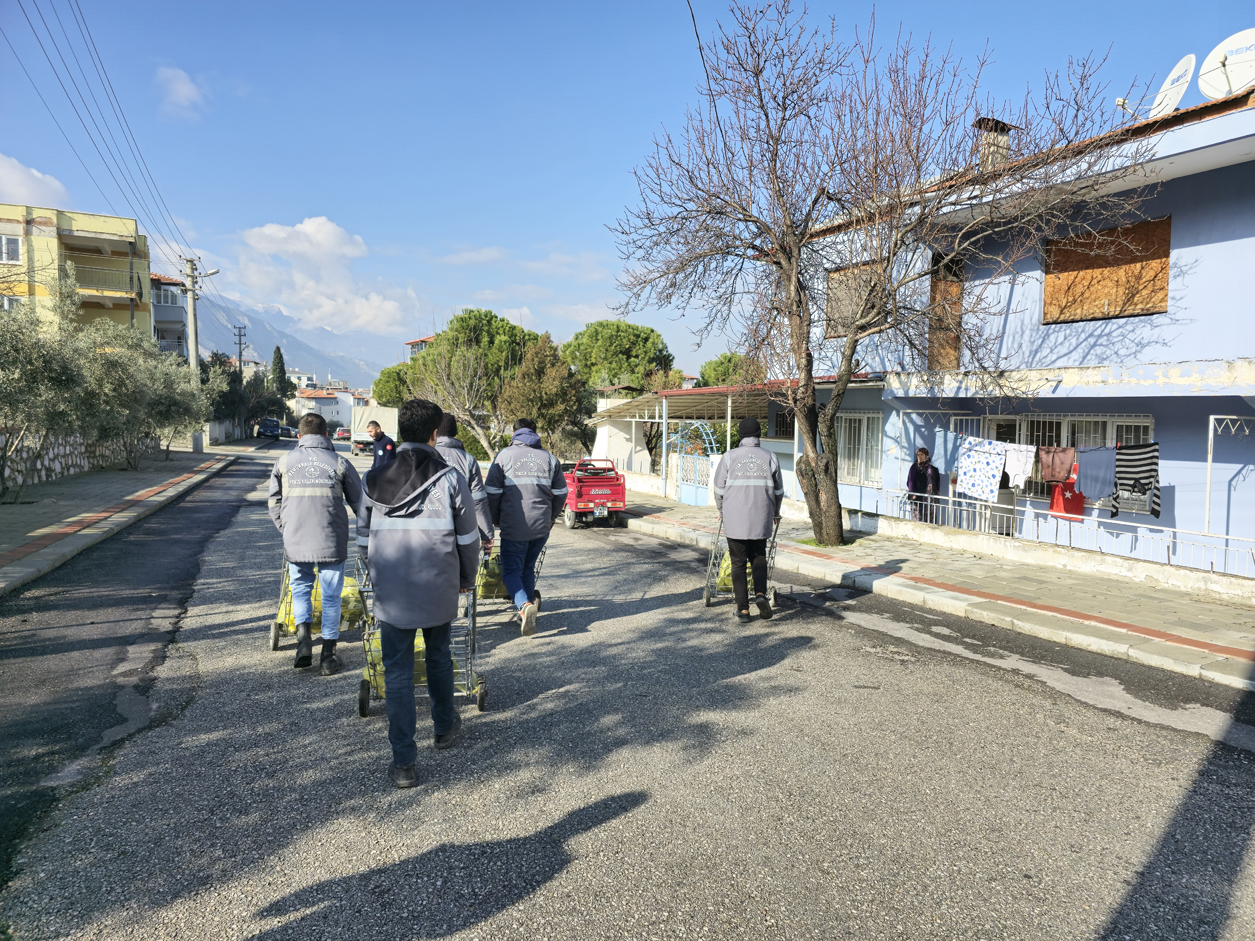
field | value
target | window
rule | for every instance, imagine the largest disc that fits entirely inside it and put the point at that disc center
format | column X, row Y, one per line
column 1120, row 272
column 10, row 249
column 783, row 427
column 858, row 448
column 848, row 289
column 945, row 314
column 1069, row 431
column 8, row 302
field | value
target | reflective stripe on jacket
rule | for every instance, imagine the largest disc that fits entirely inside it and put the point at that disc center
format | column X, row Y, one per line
column 417, row 527
column 308, row 489
column 748, row 491
column 526, row 489
column 455, row 455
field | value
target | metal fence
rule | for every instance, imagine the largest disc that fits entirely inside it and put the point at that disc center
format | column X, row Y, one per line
column 1229, row 555
column 106, row 279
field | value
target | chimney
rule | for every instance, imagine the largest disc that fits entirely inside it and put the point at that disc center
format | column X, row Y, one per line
column 994, row 145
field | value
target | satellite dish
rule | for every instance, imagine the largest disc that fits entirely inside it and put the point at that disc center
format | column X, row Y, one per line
column 1173, row 88
column 1230, row 67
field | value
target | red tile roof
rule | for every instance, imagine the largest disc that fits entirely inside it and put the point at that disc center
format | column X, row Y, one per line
column 420, row 340
column 164, row 279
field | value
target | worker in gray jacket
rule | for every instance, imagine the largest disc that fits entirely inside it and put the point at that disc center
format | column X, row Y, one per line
column 526, row 493
column 308, row 489
column 455, row 455
column 748, row 491
column 418, row 532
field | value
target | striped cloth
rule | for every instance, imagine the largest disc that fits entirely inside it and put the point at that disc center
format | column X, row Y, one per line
column 1137, row 471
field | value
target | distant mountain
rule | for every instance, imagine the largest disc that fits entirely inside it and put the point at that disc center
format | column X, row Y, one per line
column 371, row 347
column 216, row 322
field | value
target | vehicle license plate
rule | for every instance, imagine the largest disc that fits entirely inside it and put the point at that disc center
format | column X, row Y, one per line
column 600, row 511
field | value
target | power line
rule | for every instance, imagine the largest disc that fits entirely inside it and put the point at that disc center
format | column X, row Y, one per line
column 52, row 115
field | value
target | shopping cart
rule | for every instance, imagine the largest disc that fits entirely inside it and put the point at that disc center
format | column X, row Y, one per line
column 466, row 682
column 352, row 609
column 719, row 568
column 490, row 586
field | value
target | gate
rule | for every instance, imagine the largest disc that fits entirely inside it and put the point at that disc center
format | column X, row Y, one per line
column 693, row 478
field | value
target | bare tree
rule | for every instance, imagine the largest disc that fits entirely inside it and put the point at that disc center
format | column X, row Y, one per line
column 829, row 203
column 456, row 376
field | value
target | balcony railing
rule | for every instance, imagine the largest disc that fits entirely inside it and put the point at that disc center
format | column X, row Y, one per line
column 172, row 346
column 107, row 279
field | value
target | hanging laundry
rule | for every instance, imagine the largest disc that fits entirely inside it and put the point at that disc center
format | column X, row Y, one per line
column 980, row 468
column 1137, row 471
column 945, row 450
column 1020, row 459
column 1056, row 463
column 1096, row 473
column 1066, row 502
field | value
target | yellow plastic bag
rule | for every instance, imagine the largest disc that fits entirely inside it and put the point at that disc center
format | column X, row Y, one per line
column 724, row 580
column 373, row 671
column 488, row 583
column 352, row 609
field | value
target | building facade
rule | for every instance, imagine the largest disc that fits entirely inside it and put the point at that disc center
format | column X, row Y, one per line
column 169, row 304
column 109, row 255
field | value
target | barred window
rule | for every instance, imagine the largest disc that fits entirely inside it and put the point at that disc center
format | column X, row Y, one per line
column 783, row 424
column 858, row 448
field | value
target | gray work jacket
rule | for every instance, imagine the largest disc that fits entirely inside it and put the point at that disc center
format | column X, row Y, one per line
column 417, row 527
column 456, row 456
column 308, row 489
column 748, row 491
column 526, row 489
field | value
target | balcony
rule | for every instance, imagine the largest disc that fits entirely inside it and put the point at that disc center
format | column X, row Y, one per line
column 172, row 346
column 108, row 279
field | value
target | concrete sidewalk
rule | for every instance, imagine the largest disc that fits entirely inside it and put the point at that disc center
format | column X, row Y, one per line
column 56, row 521
column 1210, row 637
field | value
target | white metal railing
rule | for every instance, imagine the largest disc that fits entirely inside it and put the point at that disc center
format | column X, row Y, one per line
column 1147, row 542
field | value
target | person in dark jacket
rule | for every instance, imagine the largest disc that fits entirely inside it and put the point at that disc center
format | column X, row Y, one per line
column 418, row 533
column 455, row 455
column 923, row 483
column 384, row 449
column 309, row 486
column 526, row 493
column 749, row 489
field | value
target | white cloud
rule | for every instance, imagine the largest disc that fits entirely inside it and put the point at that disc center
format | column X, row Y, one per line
column 586, row 266
column 180, row 96
column 475, row 256
column 581, row 313
column 522, row 316
column 307, row 269
column 26, row 186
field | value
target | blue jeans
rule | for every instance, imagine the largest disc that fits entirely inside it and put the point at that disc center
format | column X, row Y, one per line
column 330, row 582
column 397, row 646
column 518, row 568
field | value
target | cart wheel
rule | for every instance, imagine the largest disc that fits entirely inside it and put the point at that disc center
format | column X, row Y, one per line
column 481, row 696
column 706, row 595
column 363, row 698
column 274, row 635
column 568, row 518
column 537, row 601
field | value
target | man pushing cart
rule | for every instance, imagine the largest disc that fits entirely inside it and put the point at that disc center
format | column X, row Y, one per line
column 749, row 489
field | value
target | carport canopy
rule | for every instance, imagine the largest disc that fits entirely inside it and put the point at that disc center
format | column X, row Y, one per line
column 691, row 405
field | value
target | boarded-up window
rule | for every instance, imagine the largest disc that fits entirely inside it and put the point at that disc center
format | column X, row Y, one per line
column 1115, row 273
column 847, row 290
column 945, row 315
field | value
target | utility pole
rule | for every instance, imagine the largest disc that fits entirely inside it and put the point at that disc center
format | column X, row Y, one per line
column 239, row 347
column 193, row 341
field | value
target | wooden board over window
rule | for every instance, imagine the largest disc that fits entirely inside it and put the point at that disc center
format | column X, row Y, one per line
column 1115, row 273
column 847, row 287
column 945, row 317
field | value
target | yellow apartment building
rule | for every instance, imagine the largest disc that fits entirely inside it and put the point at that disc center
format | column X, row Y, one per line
column 110, row 258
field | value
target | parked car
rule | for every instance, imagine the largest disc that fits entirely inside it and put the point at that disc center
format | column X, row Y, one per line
column 269, row 428
column 287, row 431
column 343, row 433
column 595, row 491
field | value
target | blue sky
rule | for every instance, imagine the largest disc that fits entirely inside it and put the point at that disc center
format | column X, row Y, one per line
column 379, row 165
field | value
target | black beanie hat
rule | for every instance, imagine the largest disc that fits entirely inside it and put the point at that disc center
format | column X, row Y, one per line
column 750, row 428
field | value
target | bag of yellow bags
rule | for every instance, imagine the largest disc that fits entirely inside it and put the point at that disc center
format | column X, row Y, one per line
column 351, row 608
column 724, row 581
column 373, row 671
column 488, row 584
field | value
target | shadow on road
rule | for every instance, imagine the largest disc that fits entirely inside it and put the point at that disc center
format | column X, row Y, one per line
column 1186, row 888
column 445, row 890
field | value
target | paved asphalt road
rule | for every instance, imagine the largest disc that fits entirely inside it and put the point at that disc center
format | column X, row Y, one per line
column 648, row 768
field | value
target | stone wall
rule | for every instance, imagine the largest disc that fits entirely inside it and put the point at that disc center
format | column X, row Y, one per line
column 63, row 455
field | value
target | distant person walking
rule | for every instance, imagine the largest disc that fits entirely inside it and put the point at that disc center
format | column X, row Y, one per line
column 748, row 491
column 923, row 483
column 309, row 487
column 418, row 532
column 455, row 455
column 526, row 493
column 384, row 448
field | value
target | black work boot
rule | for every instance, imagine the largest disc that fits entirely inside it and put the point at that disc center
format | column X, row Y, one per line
column 328, row 662
column 764, row 606
column 304, row 646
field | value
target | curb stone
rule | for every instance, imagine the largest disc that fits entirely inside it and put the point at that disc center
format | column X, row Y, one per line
column 26, row 569
column 1098, row 636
